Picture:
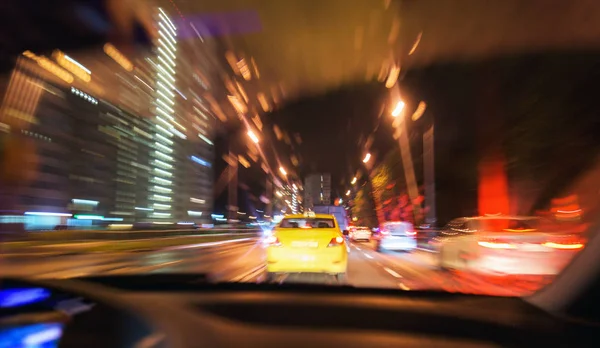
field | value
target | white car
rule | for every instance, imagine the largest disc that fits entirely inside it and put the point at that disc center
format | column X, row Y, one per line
column 396, row 236
column 506, row 245
column 360, row 233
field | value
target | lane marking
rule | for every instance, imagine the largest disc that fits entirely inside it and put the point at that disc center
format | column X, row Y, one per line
column 427, row 250
column 357, row 248
column 283, row 278
column 144, row 268
column 403, row 287
column 368, row 256
column 392, row 272
column 250, row 274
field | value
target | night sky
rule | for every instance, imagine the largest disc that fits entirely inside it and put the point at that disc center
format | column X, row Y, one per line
column 331, row 126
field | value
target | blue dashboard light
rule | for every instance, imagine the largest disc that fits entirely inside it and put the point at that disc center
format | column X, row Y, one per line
column 22, row 296
column 30, row 336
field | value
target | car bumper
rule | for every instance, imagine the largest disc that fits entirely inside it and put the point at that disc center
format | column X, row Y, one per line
column 398, row 243
column 290, row 260
column 365, row 237
column 550, row 263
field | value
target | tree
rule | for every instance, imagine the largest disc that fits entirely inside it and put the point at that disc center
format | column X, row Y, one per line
column 363, row 207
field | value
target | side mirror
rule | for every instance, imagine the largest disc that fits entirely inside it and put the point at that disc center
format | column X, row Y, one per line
column 345, row 232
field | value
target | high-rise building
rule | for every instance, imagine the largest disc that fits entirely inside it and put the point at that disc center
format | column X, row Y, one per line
column 317, row 190
column 182, row 160
column 116, row 138
column 294, row 200
column 163, row 159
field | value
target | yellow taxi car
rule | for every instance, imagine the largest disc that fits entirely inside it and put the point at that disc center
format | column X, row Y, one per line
column 309, row 243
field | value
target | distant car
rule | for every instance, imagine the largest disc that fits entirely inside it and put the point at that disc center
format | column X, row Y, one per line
column 522, row 245
column 396, row 236
column 360, row 234
column 309, row 243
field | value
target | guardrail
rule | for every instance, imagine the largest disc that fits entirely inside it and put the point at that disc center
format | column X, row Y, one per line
column 84, row 235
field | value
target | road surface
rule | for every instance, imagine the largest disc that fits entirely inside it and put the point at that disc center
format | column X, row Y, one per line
column 244, row 261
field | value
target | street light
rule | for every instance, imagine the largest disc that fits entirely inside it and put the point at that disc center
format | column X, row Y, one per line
column 367, row 158
column 353, row 181
column 253, row 136
column 407, row 161
column 282, row 171
column 398, row 109
column 420, row 110
column 348, row 193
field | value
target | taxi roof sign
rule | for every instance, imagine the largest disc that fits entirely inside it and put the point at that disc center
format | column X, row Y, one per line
column 310, row 214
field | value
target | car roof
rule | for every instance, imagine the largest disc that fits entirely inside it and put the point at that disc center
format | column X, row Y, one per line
column 315, row 216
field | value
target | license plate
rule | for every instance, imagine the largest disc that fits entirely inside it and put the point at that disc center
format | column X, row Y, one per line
column 301, row 244
column 397, row 238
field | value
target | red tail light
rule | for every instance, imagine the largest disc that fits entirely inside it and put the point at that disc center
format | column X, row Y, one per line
column 336, row 241
column 563, row 246
column 492, row 243
column 565, row 243
column 272, row 241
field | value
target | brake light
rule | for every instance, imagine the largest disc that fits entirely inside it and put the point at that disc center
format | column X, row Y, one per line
column 272, row 241
column 572, row 243
column 496, row 244
column 336, row 241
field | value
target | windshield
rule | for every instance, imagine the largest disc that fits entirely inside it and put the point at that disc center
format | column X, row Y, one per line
column 182, row 136
column 307, row 223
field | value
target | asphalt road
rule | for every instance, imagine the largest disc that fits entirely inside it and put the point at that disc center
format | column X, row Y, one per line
column 244, row 261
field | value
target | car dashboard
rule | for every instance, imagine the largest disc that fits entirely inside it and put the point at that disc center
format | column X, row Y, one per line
column 189, row 311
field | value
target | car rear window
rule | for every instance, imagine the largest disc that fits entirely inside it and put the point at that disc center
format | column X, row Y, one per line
column 508, row 225
column 307, row 223
column 397, row 228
